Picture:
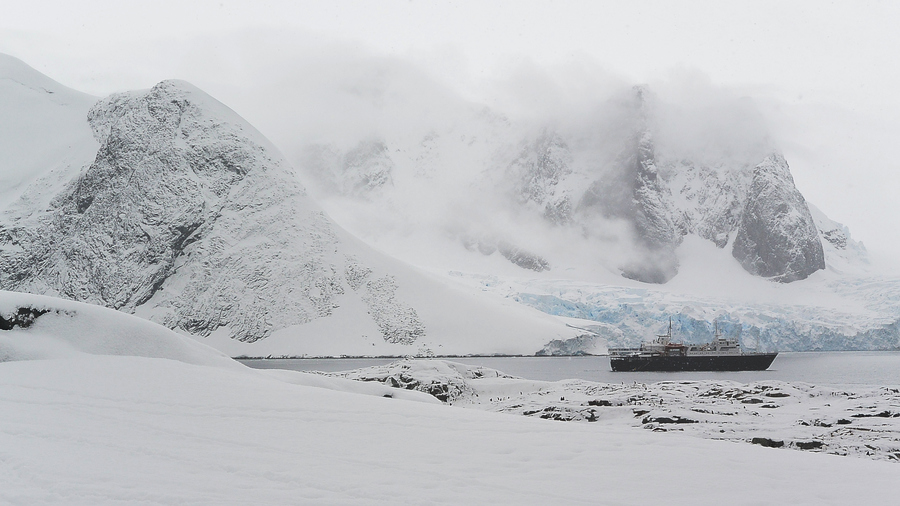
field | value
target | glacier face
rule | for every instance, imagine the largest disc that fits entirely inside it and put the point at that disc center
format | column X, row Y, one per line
column 865, row 318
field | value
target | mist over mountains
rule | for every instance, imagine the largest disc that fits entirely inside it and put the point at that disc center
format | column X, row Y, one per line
column 181, row 212
column 627, row 178
column 637, row 205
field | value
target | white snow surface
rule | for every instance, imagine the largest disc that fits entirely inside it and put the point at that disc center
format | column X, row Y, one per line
column 858, row 420
column 71, row 328
column 133, row 427
column 43, row 133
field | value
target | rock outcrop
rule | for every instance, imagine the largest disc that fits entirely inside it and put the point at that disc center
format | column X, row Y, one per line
column 358, row 172
column 538, row 170
column 635, row 193
column 777, row 237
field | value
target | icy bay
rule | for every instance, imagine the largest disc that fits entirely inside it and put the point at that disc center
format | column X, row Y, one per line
column 821, row 368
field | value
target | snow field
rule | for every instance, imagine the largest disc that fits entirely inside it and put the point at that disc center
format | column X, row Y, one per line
column 137, row 414
column 108, row 430
column 857, row 420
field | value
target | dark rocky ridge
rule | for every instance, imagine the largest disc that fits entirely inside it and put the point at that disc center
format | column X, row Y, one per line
column 634, row 192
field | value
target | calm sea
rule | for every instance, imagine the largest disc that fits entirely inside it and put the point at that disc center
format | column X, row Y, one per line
column 826, row 368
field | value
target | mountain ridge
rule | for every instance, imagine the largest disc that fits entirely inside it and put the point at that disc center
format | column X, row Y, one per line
column 189, row 217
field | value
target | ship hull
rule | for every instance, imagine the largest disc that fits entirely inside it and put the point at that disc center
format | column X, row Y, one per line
column 745, row 362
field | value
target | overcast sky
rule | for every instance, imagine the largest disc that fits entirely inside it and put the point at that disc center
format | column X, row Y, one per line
column 827, row 72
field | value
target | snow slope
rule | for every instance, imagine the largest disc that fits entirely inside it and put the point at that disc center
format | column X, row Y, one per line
column 189, row 217
column 43, row 132
column 101, row 428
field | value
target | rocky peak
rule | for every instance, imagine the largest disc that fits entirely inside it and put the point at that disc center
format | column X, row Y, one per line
column 187, row 214
column 634, row 192
column 358, row 172
column 777, row 237
column 538, row 170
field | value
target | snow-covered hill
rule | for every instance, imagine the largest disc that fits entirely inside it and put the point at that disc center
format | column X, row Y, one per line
column 100, row 407
column 186, row 215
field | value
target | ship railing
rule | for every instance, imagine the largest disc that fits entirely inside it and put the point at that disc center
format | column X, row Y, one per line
column 623, row 351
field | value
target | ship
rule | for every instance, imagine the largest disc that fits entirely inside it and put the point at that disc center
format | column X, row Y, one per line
column 662, row 354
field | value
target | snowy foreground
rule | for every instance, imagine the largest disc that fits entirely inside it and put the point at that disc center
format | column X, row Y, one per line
column 97, row 407
column 858, row 420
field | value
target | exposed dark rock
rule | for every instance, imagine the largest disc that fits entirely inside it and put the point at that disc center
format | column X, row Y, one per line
column 713, row 199
column 634, row 192
column 563, row 414
column 518, row 256
column 667, row 419
column 538, row 169
column 522, row 258
column 769, row 443
column 777, row 237
column 24, row 317
column 880, row 414
column 808, row 445
column 836, row 237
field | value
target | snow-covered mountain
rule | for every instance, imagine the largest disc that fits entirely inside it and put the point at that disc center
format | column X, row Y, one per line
column 634, row 210
column 179, row 211
column 167, row 204
column 608, row 179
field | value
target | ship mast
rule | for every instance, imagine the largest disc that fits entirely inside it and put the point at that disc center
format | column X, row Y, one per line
column 669, row 333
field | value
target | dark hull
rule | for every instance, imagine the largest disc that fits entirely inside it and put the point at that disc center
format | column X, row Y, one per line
column 748, row 362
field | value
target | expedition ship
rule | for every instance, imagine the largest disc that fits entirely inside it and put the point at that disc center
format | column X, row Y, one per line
column 664, row 355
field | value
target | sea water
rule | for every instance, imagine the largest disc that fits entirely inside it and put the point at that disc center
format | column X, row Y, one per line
column 821, row 368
